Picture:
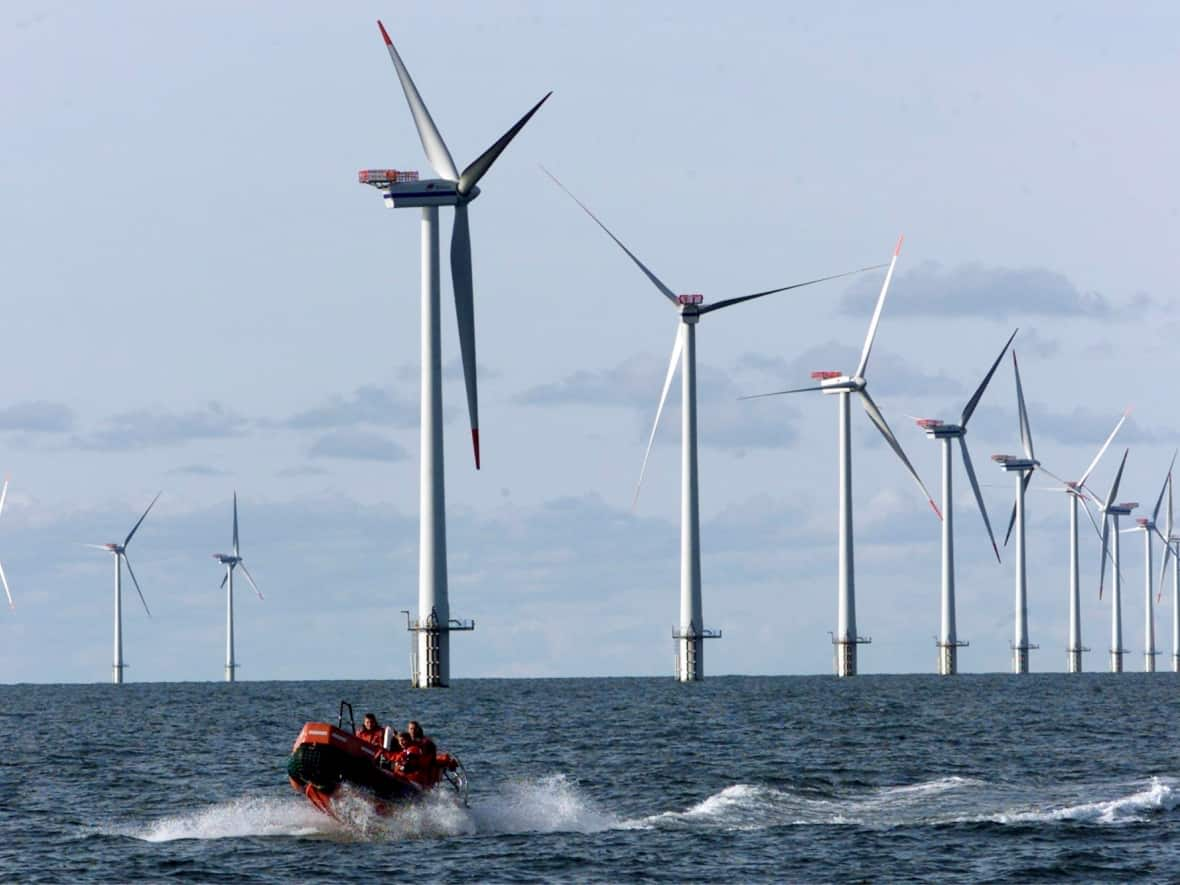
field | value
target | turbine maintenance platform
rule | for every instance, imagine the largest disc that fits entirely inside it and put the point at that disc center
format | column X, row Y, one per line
column 689, row 661
column 426, row 648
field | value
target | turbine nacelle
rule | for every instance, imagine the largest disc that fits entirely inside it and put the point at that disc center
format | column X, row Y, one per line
column 690, row 306
column 936, row 429
column 1121, row 509
column 1144, row 523
column 1015, row 463
column 227, row 558
column 831, row 381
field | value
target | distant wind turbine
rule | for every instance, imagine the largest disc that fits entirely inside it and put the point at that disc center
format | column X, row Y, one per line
column 1110, row 544
column 232, row 561
column 689, row 636
column 1147, row 525
column 1172, row 550
column 4, row 577
column 948, row 641
column 432, row 643
column 1023, row 468
column 1076, row 492
column 843, row 386
column 120, row 553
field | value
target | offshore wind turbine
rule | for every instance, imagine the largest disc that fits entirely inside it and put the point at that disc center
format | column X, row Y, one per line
column 232, row 561
column 1023, row 469
column 1172, row 550
column 1076, row 492
column 120, row 553
column 1148, row 527
column 843, row 386
column 948, row 639
column 4, row 577
column 1110, row 517
column 431, row 649
column 690, row 634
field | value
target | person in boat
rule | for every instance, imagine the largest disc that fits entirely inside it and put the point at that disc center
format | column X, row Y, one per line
column 419, row 739
column 371, row 730
column 408, row 759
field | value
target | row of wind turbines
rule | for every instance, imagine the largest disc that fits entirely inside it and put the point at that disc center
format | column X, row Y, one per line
column 118, row 550
column 431, row 630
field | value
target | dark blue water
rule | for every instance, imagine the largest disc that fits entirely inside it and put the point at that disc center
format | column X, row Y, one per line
column 891, row 778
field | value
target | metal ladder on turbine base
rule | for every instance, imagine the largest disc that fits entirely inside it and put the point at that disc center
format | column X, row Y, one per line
column 844, row 654
column 1116, row 659
column 432, row 629
column 948, row 656
column 1073, row 659
column 688, row 668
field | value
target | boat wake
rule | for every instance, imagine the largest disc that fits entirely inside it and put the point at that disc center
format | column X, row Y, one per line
column 554, row 804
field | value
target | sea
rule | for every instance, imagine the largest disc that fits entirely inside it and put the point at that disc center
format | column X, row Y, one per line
column 975, row 778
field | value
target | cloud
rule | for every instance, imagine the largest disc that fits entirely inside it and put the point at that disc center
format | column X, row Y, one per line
column 198, row 470
column 145, row 428
column 357, row 445
column 368, row 404
column 724, row 421
column 975, row 290
column 37, row 416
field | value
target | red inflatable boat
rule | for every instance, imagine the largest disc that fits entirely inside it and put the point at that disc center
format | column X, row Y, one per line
column 327, row 757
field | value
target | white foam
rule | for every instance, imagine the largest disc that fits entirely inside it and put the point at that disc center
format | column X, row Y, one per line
column 1158, row 794
column 548, row 805
column 237, row 818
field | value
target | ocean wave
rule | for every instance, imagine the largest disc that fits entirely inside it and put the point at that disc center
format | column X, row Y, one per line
column 235, row 819
column 1152, row 796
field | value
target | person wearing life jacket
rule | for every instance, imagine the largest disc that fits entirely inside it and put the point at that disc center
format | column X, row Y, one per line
column 421, row 741
column 371, row 731
column 408, row 761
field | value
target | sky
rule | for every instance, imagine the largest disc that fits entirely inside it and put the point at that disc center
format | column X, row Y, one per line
column 198, row 297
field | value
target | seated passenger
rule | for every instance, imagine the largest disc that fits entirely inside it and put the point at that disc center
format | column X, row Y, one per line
column 371, row 731
column 408, row 759
column 420, row 740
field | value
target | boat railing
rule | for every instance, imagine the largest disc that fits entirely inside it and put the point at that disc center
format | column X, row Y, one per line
column 351, row 718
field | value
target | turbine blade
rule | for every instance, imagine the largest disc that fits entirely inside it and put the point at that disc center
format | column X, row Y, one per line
column 235, row 523
column 98, row 547
column 3, row 495
column 432, row 142
column 1169, row 522
column 1025, row 429
column 465, row 314
column 1114, row 486
column 1155, row 514
column 1090, row 516
column 1168, row 556
column 135, row 527
column 246, row 572
column 1024, row 482
column 727, row 302
column 969, row 409
column 651, row 276
column 481, row 164
column 1102, row 451
column 978, row 494
column 1105, row 553
column 878, row 420
column 7, row 592
column 127, row 562
column 875, row 321
column 224, row 580
column 677, row 347
column 779, row 392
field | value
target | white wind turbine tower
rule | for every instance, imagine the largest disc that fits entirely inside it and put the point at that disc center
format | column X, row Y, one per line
column 1110, row 516
column 689, row 636
column 1078, row 492
column 843, row 386
column 1023, row 468
column 120, row 554
column 1172, row 550
column 4, row 577
column 232, row 561
column 948, row 641
column 1148, row 527
column 431, row 649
